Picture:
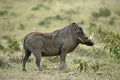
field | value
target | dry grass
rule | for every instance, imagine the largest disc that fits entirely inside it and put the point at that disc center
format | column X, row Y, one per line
column 108, row 70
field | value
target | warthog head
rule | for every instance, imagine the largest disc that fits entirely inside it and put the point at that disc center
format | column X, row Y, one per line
column 81, row 36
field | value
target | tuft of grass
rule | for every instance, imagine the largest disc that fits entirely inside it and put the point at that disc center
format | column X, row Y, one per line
column 82, row 22
column 13, row 44
column 35, row 8
column 76, row 61
column 3, row 13
column 22, row 27
column 103, row 12
column 13, row 14
column 53, row 59
column 118, row 12
column 40, row 6
column 44, row 23
column 85, row 66
column 4, row 63
column 112, row 42
column 15, row 58
column 5, row 37
column 95, row 66
column 82, row 66
column 3, row 48
column 92, row 24
column 72, row 11
column 112, row 21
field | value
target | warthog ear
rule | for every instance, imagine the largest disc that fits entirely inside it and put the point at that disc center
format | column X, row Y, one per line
column 73, row 23
column 75, row 26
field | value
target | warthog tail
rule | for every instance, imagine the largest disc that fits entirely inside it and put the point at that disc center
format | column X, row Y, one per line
column 23, row 42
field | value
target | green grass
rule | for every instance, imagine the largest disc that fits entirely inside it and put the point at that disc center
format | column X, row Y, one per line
column 19, row 17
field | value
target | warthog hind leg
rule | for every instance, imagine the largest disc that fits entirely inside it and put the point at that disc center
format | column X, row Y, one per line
column 27, row 54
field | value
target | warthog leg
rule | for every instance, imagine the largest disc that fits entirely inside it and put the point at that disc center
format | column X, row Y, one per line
column 27, row 54
column 38, row 56
column 62, row 61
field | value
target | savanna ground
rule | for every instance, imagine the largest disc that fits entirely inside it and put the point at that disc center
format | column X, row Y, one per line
column 100, row 62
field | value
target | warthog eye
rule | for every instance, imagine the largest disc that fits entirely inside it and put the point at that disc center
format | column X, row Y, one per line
column 79, row 30
column 86, row 37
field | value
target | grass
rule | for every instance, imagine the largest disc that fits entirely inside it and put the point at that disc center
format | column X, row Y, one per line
column 19, row 17
column 51, row 72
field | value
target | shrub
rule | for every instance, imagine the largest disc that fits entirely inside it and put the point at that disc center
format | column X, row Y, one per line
column 112, row 21
column 4, row 49
column 116, row 51
column 118, row 12
column 40, row 6
column 13, row 44
column 44, row 23
column 72, row 11
column 53, row 59
column 103, row 12
column 112, row 42
column 58, row 17
column 22, row 27
column 92, row 24
column 4, row 63
column 111, row 39
column 95, row 15
column 35, row 8
column 1, row 47
column 95, row 66
column 6, row 37
column 82, row 22
column 85, row 66
column 49, row 19
column 82, row 66
column 76, row 61
column 4, row 12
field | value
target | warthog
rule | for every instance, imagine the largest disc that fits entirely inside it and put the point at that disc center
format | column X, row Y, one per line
column 57, row 43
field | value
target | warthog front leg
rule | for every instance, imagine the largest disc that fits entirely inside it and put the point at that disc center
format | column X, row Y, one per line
column 62, row 61
column 38, row 60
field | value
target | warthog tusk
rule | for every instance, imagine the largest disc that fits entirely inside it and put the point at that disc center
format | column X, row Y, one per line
column 80, row 39
column 91, row 37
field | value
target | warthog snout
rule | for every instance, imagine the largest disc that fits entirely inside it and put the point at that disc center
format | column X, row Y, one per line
column 89, row 41
column 86, row 40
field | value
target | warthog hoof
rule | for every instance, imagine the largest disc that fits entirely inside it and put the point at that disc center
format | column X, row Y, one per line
column 24, row 70
column 62, row 67
column 40, row 69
